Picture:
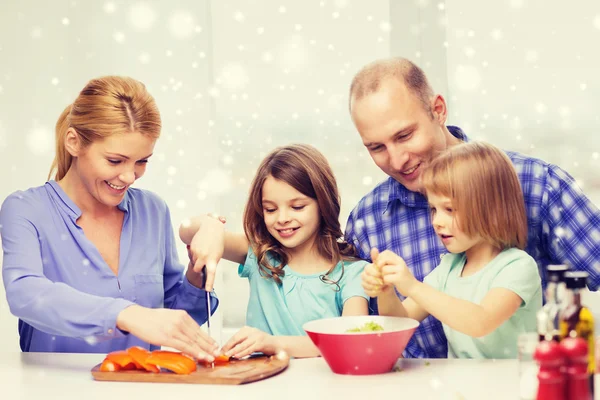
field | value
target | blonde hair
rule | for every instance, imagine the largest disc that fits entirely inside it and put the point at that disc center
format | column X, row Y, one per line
column 370, row 78
column 485, row 192
column 305, row 169
column 106, row 106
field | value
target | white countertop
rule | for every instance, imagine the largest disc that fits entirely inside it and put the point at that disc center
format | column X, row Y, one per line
column 67, row 376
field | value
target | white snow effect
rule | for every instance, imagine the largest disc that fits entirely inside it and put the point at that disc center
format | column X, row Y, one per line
column 583, row 86
column 385, row 26
column 119, row 37
column 36, row 32
column 239, row 16
column 469, row 52
column 540, row 108
column 142, row 17
column 40, row 140
column 216, row 181
column 294, row 54
column 181, row 24
column 531, row 56
column 144, row 58
column 65, row 21
column 517, row 3
column 467, row 78
column 233, row 77
column 340, row 3
column 91, row 340
column 86, row 262
column 109, row 7
column 367, row 180
column 180, row 204
column 260, row 30
column 597, row 21
column 55, row 81
column 171, row 170
column 496, row 34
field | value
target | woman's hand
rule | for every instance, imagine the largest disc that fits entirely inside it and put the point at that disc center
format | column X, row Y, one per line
column 249, row 340
column 168, row 327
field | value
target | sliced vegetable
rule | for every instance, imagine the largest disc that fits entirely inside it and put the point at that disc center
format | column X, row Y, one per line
column 173, row 361
column 109, row 366
column 139, row 356
column 122, row 359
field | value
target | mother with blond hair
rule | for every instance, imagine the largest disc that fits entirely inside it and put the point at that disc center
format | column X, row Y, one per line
column 90, row 263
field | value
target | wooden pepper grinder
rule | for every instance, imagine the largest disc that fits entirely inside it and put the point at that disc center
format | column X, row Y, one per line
column 551, row 381
column 575, row 349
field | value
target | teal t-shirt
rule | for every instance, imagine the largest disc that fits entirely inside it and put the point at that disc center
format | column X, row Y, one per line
column 512, row 269
column 282, row 310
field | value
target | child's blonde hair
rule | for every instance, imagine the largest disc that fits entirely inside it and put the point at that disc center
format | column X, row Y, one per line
column 485, row 191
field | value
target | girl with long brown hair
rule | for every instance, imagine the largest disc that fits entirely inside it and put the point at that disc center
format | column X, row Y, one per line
column 292, row 252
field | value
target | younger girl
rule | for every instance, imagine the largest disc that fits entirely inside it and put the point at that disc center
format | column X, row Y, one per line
column 291, row 252
column 487, row 290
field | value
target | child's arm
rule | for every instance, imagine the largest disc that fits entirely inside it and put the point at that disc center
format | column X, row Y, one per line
column 355, row 306
column 475, row 320
column 209, row 242
column 249, row 340
column 389, row 304
column 210, row 232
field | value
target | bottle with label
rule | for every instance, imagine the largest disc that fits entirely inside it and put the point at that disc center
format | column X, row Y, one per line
column 576, row 320
column 548, row 317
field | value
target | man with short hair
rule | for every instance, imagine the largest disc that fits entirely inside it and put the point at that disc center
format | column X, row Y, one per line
column 402, row 123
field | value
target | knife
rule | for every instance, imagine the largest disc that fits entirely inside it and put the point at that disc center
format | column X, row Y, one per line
column 207, row 308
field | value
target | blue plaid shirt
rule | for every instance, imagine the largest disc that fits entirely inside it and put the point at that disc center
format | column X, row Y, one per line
column 563, row 224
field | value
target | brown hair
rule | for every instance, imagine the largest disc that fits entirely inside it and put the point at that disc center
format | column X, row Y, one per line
column 305, row 169
column 369, row 79
column 485, row 191
column 106, row 106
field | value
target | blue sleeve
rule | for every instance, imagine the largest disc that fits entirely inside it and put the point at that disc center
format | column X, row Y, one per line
column 249, row 266
column 51, row 307
column 179, row 292
column 356, row 234
column 571, row 226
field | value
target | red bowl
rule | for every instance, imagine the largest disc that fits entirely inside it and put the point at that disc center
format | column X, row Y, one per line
column 361, row 353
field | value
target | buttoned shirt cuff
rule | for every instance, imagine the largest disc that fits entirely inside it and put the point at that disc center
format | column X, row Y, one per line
column 110, row 322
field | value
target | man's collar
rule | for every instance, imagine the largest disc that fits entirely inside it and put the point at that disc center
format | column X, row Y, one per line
column 398, row 192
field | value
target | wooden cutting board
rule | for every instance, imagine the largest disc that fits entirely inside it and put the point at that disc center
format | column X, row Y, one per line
column 234, row 373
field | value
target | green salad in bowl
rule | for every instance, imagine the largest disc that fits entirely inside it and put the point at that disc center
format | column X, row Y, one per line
column 367, row 327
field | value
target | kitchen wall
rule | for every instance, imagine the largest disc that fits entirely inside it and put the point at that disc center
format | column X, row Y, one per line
column 235, row 78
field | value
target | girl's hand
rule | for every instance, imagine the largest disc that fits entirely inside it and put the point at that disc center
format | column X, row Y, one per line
column 206, row 249
column 372, row 280
column 249, row 340
column 167, row 327
column 395, row 272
